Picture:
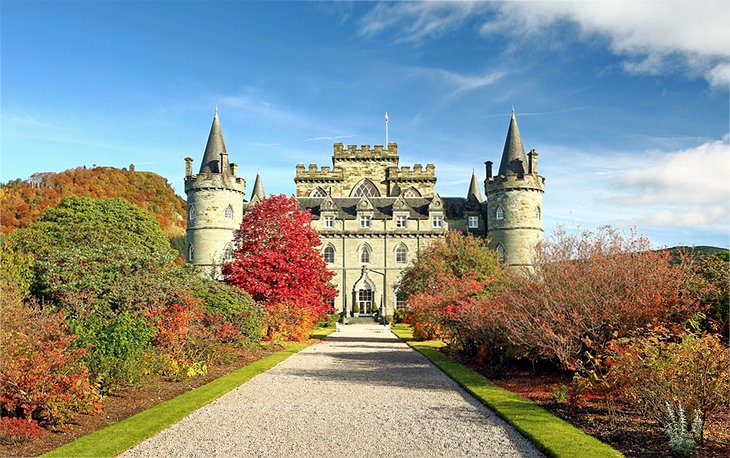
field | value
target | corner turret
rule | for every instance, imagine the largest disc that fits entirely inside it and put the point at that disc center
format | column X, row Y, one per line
column 514, row 202
column 215, row 205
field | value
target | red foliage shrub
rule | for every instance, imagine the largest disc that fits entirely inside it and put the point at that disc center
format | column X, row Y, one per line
column 277, row 261
column 19, row 430
column 41, row 376
column 288, row 321
column 588, row 289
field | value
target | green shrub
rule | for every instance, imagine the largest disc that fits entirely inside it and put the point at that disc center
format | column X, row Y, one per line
column 115, row 347
column 399, row 315
column 560, row 393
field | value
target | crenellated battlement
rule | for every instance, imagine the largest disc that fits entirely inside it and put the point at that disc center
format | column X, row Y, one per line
column 365, row 151
column 417, row 173
column 214, row 181
column 312, row 172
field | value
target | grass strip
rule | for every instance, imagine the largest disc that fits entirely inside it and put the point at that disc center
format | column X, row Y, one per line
column 118, row 437
column 552, row 435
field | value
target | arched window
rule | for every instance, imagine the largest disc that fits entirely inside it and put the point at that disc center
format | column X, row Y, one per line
column 501, row 253
column 329, row 254
column 365, row 255
column 365, row 188
column 191, row 251
column 500, row 213
column 411, row 192
column 538, row 212
column 228, row 252
column 229, row 212
column 401, row 254
column 319, row 192
column 191, row 212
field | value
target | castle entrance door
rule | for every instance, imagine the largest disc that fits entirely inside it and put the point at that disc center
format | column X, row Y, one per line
column 365, row 301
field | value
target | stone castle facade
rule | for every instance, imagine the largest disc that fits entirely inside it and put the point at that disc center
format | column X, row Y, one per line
column 373, row 216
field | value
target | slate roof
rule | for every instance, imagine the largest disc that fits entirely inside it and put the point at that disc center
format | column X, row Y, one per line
column 474, row 187
column 513, row 151
column 213, row 149
column 258, row 188
column 454, row 206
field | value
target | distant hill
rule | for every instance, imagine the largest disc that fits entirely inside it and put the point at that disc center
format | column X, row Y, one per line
column 698, row 251
column 23, row 201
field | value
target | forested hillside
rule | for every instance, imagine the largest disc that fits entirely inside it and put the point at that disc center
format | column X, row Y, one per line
column 23, row 201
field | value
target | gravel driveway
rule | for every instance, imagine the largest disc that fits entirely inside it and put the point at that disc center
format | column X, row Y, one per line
column 361, row 392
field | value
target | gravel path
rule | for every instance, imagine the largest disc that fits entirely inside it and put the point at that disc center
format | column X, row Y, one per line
column 361, row 392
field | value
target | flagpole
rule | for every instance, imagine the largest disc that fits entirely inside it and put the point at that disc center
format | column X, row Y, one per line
column 386, row 130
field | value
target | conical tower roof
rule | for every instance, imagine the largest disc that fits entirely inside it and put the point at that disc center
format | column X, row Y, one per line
column 258, row 188
column 474, row 187
column 513, row 151
column 214, row 148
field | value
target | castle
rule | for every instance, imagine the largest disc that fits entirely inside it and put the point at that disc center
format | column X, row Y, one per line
column 373, row 216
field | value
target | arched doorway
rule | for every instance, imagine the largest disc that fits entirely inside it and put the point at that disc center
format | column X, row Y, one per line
column 363, row 295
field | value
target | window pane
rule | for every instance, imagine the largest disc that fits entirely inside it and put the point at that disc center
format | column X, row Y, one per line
column 367, row 189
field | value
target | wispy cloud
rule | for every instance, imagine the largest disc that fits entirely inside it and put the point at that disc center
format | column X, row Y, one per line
column 414, row 22
column 654, row 37
column 335, row 137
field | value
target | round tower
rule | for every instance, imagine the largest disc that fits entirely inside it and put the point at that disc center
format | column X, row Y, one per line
column 215, row 205
column 514, row 202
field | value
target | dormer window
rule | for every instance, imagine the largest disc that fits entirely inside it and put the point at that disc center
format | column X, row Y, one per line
column 365, row 221
column 500, row 213
column 401, row 221
column 437, row 222
column 473, row 222
column 329, row 222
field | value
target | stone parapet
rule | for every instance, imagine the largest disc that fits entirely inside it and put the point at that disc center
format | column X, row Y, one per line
column 418, row 173
column 365, row 152
column 214, row 181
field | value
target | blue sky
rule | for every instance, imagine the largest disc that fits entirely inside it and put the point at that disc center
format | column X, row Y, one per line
column 627, row 103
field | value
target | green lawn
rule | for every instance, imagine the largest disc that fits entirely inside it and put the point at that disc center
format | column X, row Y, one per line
column 120, row 436
column 552, row 435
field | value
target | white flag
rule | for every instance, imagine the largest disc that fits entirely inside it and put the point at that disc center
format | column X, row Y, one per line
column 386, row 116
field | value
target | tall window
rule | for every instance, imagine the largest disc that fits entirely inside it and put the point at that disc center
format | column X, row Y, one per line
column 437, row 222
column 411, row 192
column 365, row 221
column 501, row 253
column 329, row 222
column 191, row 213
column 473, row 222
column 329, row 255
column 191, row 251
column 366, row 188
column 538, row 213
column 228, row 252
column 401, row 254
column 365, row 255
column 400, row 221
column 319, row 192
column 500, row 213
column 229, row 212
column 400, row 300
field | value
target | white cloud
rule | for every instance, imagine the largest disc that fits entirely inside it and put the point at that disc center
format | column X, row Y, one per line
column 656, row 37
column 698, row 175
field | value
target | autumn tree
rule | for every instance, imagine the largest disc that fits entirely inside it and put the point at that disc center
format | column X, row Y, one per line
column 277, row 261
column 590, row 288
column 449, row 287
